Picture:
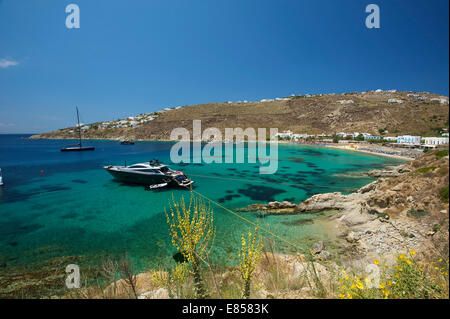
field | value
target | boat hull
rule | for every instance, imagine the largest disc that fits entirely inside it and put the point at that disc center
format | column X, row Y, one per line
column 77, row 149
column 136, row 178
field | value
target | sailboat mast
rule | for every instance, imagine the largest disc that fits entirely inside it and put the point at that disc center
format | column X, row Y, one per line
column 79, row 127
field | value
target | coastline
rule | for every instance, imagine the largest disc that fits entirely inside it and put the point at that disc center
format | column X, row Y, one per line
column 327, row 145
column 360, row 233
column 371, row 153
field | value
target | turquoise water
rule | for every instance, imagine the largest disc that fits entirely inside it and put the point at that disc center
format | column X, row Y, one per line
column 62, row 204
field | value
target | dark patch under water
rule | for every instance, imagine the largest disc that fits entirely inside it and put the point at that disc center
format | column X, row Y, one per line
column 16, row 228
column 298, row 222
column 260, row 193
column 69, row 215
column 228, row 198
column 296, row 159
column 79, row 181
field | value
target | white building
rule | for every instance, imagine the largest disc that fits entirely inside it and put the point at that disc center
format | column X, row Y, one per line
column 285, row 135
column 408, row 139
column 346, row 101
column 440, row 100
column 395, row 101
column 445, row 134
column 433, row 141
column 299, row 136
column 390, row 138
column 372, row 137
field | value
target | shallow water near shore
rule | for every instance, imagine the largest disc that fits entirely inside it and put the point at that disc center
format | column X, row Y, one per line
column 57, row 204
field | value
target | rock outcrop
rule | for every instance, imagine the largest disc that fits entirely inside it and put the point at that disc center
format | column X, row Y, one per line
column 391, row 214
column 389, row 171
column 272, row 208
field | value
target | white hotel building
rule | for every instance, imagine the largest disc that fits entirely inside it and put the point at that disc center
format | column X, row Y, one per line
column 435, row 141
column 408, row 139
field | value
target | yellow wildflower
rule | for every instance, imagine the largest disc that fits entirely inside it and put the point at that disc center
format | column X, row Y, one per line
column 412, row 252
column 359, row 285
column 376, row 261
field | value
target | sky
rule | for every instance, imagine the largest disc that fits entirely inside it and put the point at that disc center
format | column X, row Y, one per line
column 139, row 56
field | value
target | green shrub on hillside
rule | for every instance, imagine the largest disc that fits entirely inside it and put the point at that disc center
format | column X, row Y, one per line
column 416, row 213
column 426, row 169
column 441, row 154
column 443, row 192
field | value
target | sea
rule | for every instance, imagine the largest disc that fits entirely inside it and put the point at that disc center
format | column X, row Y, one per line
column 56, row 204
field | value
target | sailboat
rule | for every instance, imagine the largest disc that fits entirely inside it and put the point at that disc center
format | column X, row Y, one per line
column 78, row 147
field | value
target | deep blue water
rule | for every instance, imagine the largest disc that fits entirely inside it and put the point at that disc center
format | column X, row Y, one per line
column 59, row 204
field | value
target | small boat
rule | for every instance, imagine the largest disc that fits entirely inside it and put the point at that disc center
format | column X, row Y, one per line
column 127, row 142
column 1, row 177
column 79, row 146
column 156, row 186
column 153, row 174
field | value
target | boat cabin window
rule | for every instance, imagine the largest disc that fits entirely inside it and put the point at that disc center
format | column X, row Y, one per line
column 149, row 170
column 137, row 166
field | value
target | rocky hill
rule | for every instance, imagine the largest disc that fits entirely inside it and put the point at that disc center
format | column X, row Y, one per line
column 405, row 209
column 396, row 112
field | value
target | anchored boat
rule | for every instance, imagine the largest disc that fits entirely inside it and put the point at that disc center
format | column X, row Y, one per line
column 153, row 174
column 127, row 142
column 78, row 147
column 1, row 177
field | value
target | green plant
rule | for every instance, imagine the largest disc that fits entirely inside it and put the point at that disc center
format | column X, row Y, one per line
column 443, row 193
column 407, row 279
column 416, row 213
column 249, row 255
column 441, row 154
column 192, row 230
column 426, row 169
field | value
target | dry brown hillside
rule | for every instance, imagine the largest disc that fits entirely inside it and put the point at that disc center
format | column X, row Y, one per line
column 317, row 114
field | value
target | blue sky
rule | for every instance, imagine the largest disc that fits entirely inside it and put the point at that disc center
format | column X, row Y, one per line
column 131, row 57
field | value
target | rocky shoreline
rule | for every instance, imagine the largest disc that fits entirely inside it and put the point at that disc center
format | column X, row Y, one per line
column 379, row 219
